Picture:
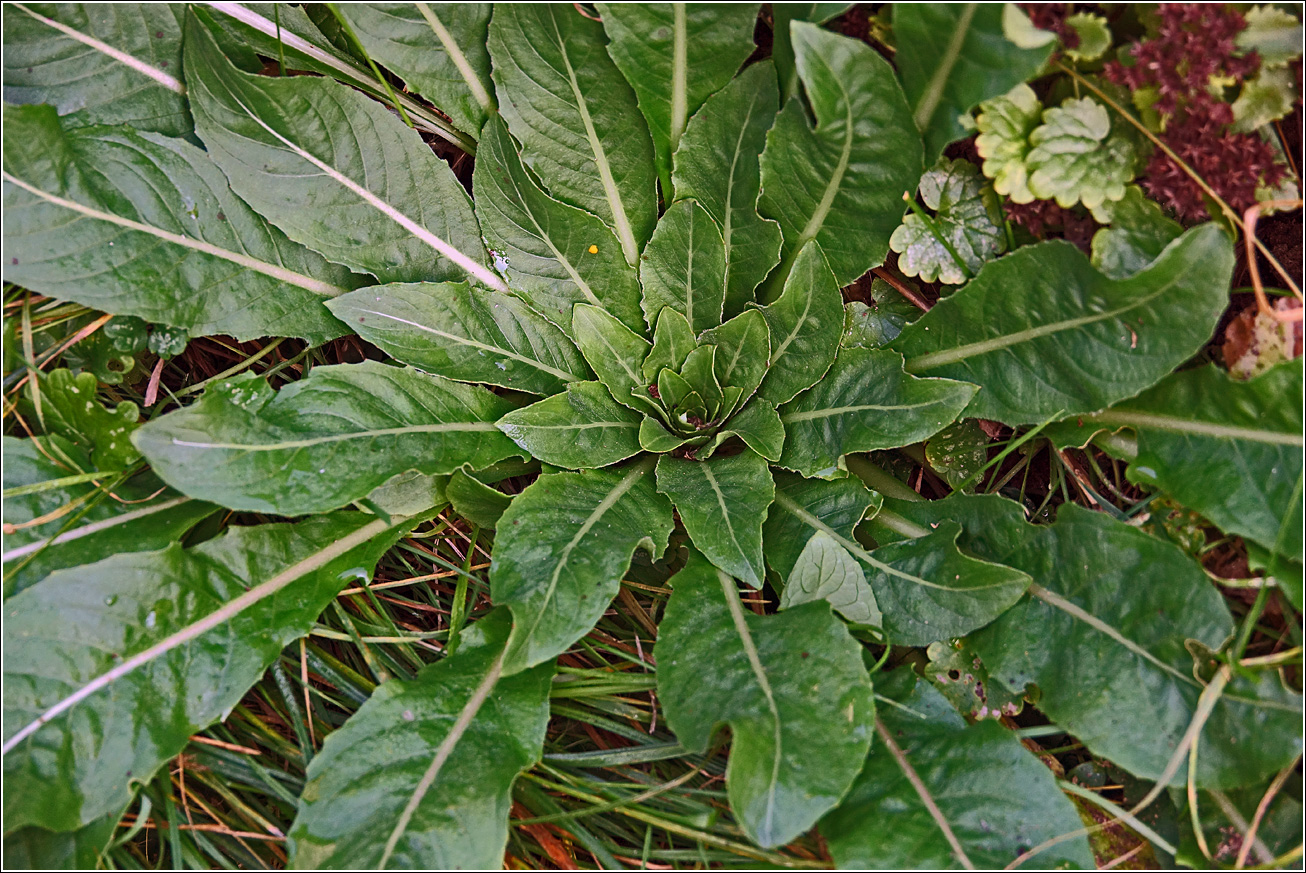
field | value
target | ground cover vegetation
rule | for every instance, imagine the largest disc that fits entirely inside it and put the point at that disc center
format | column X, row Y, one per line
column 670, row 435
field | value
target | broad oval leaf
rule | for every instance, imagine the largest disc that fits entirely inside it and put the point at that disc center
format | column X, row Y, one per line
column 684, row 267
column 438, row 49
column 792, row 687
column 98, row 63
column 839, row 505
column 758, row 425
column 674, row 55
column 722, row 502
column 553, row 255
column 743, row 352
column 575, row 116
column 927, row 589
column 464, row 333
column 135, row 518
column 952, row 56
column 139, row 224
column 377, row 200
column 1045, row 334
column 562, row 548
column 825, row 571
column 995, row 799
column 865, row 402
column 420, row 777
column 782, row 50
column 581, row 428
column 841, row 183
column 1230, row 450
column 325, row 440
column 717, row 165
column 1139, row 231
column 1117, row 610
column 109, row 669
column 805, row 323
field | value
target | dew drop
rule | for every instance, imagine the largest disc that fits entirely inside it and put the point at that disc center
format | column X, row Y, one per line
column 150, row 620
column 111, row 600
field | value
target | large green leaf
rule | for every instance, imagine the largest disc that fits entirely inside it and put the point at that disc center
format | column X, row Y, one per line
column 930, row 770
column 842, row 182
column 722, row 503
column 717, row 165
column 438, row 49
column 782, row 49
column 674, row 55
column 927, row 589
column 1115, row 610
column 684, row 267
column 865, row 402
column 575, row 116
column 419, row 777
column 805, row 324
column 1043, row 333
column 554, row 255
column 792, row 687
column 464, row 333
column 580, row 429
column 98, row 63
column 325, row 440
column 34, row 848
column 110, row 669
column 561, row 551
column 137, row 517
column 377, row 200
column 1229, row 449
column 839, row 505
column 139, row 224
column 951, row 56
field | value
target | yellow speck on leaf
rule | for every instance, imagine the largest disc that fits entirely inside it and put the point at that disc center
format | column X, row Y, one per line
column 594, row 250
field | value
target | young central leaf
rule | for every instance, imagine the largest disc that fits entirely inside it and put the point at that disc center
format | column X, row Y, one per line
column 684, row 267
column 325, row 440
column 795, row 751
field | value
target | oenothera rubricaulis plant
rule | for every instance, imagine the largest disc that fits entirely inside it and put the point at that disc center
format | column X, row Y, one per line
column 640, row 300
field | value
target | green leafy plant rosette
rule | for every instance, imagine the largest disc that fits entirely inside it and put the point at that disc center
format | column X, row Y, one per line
column 642, row 294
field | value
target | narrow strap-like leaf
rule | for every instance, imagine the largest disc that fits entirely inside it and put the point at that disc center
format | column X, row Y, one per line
column 377, row 200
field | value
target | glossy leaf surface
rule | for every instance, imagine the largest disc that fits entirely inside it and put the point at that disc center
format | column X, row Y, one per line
column 575, row 116
column 378, row 201
column 82, row 762
column 1044, row 334
column 552, row 254
column 325, row 440
column 791, row 686
column 996, row 799
column 952, row 56
column 419, row 777
column 684, row 267
column 805, row 325
column 464, row 333
column 139, row 224
column 840, row 183
column 722, row 503
column 581, row 428
column 98, row 63
column 717, row 165
column 865, row 402
column 674, row 55
column 561, row 551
